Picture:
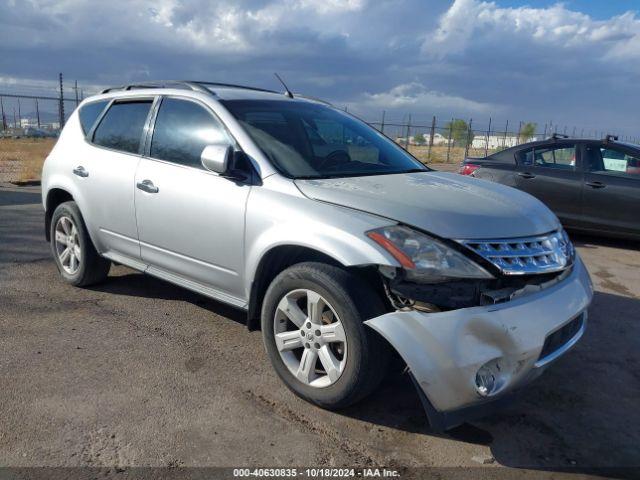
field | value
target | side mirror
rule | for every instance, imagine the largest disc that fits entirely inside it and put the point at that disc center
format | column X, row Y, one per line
column 216, row 158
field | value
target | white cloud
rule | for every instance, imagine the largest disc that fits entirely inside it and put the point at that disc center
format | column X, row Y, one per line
column 462, row 57
column 470, row 23
column 231, row 26
column 415, row 97
column 221, row 27
column 332, row 6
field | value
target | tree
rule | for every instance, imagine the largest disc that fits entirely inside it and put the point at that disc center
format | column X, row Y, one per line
column 459, row 132
column 419, row 139
column 527, row 131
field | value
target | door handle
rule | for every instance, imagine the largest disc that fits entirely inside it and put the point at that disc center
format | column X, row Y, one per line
column 596, row 184
column 147, row 186
column 80, row 171
column 527, row 175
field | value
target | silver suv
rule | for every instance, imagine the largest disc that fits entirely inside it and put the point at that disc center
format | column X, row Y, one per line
column 344, row 249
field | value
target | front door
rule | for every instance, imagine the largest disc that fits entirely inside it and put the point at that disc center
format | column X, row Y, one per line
column 190, row 220
column 551, row 173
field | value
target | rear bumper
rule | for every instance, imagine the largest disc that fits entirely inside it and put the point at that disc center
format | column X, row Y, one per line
column 445, row 350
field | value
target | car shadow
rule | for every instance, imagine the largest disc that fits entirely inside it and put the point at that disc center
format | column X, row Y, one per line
column 580, row 416
column 591, row 241
column 137, row 284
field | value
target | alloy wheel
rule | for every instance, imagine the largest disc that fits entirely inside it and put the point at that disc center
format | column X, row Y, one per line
column 310, row 338
column 67, row 245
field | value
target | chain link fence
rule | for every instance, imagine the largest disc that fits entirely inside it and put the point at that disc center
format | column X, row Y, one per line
column 453, row 140
column 30, row 124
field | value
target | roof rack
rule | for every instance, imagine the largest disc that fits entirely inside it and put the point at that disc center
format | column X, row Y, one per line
column 610, row 138
column 183, row 84
column 557, row 136
column 187, row 85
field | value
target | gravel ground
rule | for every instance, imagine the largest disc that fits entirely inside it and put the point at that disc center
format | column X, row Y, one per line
column 138, row 372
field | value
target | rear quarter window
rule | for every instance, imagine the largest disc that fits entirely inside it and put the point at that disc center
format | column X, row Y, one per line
column 507, row 156
column 121, row 127
column 89, row 113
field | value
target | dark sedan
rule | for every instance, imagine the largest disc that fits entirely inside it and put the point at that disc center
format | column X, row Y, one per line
column 591, row 185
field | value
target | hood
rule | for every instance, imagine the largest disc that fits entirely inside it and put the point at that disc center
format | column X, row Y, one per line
column 446, row 204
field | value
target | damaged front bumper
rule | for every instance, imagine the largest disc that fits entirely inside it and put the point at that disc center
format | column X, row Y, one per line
column 514, row 340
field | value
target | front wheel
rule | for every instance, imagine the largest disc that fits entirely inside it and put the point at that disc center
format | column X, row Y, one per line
column 312, row 326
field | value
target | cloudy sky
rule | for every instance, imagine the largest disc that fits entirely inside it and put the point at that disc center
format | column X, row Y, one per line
column 575, row 63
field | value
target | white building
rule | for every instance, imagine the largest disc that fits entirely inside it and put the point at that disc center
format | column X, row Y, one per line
column 27, row 122
column 438, row 139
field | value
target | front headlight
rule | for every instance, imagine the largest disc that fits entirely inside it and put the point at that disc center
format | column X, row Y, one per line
column 425, row 259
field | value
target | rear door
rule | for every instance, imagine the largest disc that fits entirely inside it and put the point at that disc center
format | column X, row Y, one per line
column 106, row 176
column 552, row 174
column 612, row 189
column 499, row 167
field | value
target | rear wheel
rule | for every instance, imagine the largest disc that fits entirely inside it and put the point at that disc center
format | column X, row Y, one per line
column 312, row 325
column 76, row 258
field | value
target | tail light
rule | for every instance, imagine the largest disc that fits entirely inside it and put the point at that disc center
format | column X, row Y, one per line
column 468, row 168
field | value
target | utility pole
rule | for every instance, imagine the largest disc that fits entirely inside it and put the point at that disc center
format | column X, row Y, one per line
column 504, row 139
column 19, row 114
column 382, row 124
column 4, row 119
column 14, row 118
column 75, row 88
column 408, row 133
column 432, row 133
column 469, row 133
column 449, row 140
column 61, row 106
column 37, row 113
column 486, row 145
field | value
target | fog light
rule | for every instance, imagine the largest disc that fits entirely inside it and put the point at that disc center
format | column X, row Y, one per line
column 489, row 379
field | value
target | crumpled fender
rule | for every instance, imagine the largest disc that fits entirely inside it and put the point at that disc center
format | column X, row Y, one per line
column 445, row 350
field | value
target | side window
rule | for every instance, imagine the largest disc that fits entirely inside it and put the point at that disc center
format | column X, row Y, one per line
column 506, row 156
column 615, row 161
column 89, row 114
column 182, row 130
column 121, row 127
column 525, row 157
column 551, row 157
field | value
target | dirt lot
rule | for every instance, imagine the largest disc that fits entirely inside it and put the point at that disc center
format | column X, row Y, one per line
column 138, row 372
column 21, row 159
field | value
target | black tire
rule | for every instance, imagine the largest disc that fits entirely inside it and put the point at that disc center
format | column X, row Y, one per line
column 92, row 267
column 353, row 301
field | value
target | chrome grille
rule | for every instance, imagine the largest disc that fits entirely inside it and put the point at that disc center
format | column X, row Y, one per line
column 530, row 255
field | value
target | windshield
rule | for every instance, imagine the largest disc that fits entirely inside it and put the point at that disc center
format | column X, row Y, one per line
column 308, row 140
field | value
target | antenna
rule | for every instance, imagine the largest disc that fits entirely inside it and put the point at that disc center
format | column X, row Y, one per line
column 287, row 92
